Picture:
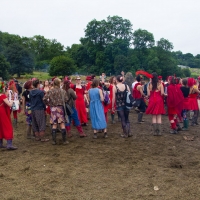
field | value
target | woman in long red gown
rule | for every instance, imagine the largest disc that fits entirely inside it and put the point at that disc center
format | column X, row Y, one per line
column 80, row 103
column 193, row 104
column 156, row 103
column 6, row 130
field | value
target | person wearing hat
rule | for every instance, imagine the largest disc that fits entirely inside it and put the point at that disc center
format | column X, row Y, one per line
column 80, row 101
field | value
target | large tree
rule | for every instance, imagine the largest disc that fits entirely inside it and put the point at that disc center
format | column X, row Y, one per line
column 61, row 66
column 20, row 58
column 4, row 67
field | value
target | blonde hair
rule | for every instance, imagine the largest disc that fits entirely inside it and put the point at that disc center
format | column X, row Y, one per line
column 56, row 82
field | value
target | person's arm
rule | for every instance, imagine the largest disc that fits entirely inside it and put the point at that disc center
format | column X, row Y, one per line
column 140, row 89
column 46, row 97
column 162, row 89
column 9, row 103
column 73, row 95
column 196, row 90
column 101, row 95
column 23, row 103
column 128, row 88
column 148, row 90
column 114, row 97
column 88, row 96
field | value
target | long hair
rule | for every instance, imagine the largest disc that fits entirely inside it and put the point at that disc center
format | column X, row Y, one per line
column 154, row 81
column 12, row 86
column 66, row 85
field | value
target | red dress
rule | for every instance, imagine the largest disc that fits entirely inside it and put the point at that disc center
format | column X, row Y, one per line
column 80, row 105
column 6, row 130
column 156, row 104
column 193, row 105
column 111, row 99
column 175, row 99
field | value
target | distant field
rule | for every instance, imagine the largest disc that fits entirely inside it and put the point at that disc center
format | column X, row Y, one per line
column 195, row 72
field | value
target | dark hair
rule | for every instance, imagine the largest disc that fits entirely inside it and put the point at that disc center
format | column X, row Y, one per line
column 138, row 78
column 185, row 81
column 119, row 78
column 95, row 83
column 172, row 80
column 66, row 85
column 178, row 79
column 154, row 81
column 36, row 83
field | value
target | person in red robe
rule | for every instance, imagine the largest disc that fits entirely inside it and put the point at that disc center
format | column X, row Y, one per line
column 175, row 101
column 80, row 101
column 193, row 104
column 6, row 130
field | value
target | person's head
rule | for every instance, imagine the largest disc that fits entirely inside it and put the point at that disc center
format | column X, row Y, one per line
column 46, row 83
column 107, row 83
column 66, row 85
column 78, row 80
column 56, row 83
column 178, row 80
column 154, row 81
column 95, row 83
column 83, row 83
column 36, row 83
column 28, row 85
column 119, row 78
column 172, row 80
column 138, row 78
column 112, row 80
column 12, row 86
column 2, row 87
column 185, row 81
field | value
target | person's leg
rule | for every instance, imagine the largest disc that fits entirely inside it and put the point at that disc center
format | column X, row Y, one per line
column 173, row 124
column 123, row 122
column 1, row 144
column 159, row 122
column 154, row 124
column 197, row 116
column 63, row 131
column 35, row 126
column 15, row 117
column 126, row 115
column 113, row 117
column 95, row 134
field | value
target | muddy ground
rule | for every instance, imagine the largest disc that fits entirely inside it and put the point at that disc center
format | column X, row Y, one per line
column 112, row 168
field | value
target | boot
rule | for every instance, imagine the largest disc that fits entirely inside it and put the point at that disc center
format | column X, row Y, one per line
column 125, row 134
column 15, row 122
column 178, row 127
column 54, row 136
column 185, row 125
column 95, row 136
column 28, row 133
column 1, row 144
column 64, row 136
column 128, row 130
column 173, row 131
column 68, row 129
column 80, row 130
column 42, row 136
column 140, row 115
column 112, row 117
column 155, row 133
column 193, row 121
column 10, row 146
column 159, row 129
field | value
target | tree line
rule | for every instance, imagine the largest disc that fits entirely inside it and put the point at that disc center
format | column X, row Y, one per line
column 109, row 46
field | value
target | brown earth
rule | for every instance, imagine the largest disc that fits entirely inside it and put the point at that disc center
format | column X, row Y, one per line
column 112, row 168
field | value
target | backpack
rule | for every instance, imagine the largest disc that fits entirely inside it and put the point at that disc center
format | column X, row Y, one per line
column 106, row 95
column 128, row 99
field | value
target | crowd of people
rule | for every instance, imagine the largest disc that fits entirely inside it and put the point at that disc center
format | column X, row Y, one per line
column 75, row 103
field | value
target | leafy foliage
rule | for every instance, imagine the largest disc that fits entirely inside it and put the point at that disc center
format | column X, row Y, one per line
column 61, row 65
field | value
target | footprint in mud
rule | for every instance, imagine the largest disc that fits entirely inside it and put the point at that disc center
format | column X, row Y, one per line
column 176, row 165
column 56, row 154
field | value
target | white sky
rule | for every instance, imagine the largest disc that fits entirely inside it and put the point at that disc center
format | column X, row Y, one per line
column 65, row 20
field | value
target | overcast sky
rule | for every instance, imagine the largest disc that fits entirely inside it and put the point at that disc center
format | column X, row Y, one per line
column 65, row 20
